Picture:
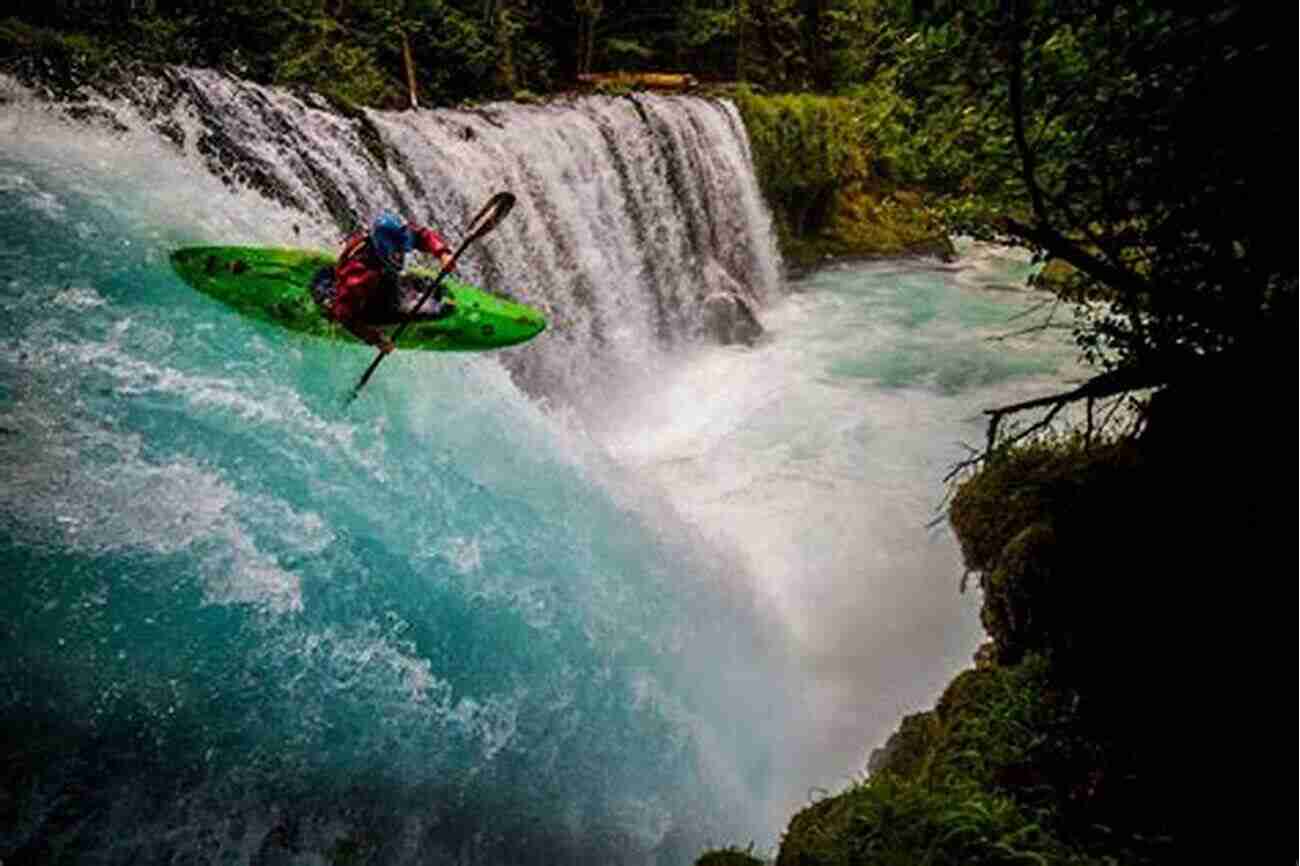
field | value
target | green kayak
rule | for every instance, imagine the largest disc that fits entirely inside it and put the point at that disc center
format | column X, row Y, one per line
column 276, row 285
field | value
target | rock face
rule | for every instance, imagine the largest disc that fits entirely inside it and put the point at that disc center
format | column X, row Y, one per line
column 728, row 319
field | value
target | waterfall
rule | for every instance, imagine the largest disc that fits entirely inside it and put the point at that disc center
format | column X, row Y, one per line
column 612, row 596
column 633, row 211
column 242, row 626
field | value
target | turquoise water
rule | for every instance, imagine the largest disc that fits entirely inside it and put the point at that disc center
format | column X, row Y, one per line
column 236, row 613
column 456, row 622
column 819, row 455
column 941, row 338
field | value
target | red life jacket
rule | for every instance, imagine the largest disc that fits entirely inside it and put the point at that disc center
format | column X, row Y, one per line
column 359, row 273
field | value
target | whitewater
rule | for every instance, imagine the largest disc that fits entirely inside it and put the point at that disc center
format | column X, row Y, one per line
column 612, row 596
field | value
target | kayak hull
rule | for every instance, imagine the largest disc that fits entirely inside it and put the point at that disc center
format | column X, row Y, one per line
column 275, row 285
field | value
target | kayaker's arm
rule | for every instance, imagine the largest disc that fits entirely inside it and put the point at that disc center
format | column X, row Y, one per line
column 429, row 241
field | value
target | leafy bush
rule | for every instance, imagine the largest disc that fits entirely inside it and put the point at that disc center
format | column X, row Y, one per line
column 731, row 856
column 1003, row 771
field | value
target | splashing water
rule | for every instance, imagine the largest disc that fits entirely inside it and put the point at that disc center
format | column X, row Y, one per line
column 608, row 597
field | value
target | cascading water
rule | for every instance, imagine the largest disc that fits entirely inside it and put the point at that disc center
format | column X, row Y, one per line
column 241, row 625
column 633, row 211
column 607, row 597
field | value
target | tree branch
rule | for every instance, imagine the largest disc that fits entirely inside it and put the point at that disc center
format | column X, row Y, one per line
column 1058, row 246
column 1017, row 94
column 1097, row 388
column 1029, row 311
column 1032, row 329
column 1043, row 234
column 1044, row 325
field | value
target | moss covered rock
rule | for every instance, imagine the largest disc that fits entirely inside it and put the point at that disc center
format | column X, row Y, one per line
column 729, row 857
column 906, row 751
column 1034, row 524
column 825, row 177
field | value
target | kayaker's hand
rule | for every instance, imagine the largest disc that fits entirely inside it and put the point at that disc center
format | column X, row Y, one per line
column 446, row 260
column 385, row 345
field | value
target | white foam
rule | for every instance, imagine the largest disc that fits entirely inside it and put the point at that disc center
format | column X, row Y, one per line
column 91, row 489
column 825, row 483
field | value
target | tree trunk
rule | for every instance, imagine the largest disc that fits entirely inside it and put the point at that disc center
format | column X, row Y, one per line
column 506, row 79
column 742, row 44
column 410, row 68
column 815, row 47
column 588, row 11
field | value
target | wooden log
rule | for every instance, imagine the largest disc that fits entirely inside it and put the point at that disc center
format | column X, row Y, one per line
column 648, row 80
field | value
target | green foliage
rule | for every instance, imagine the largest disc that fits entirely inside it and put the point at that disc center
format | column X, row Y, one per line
column 773, row 52
column 994, row 775
column 993, row 720
column 831, row 168
column 898, row 822
column 316, row 57
column 1108, row 565
column 1028, row 524
column 804, row 143
column 731, row 856
column 907, row 752
column 70, row 52
column 806, row 148
column 708, row 38
column 626, row 52
column 456, row 54
column 350, row 51
column 1115, row 136
column 863, row 38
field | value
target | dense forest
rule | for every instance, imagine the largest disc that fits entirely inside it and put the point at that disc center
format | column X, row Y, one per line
column 1141, row 148
column 375, row 51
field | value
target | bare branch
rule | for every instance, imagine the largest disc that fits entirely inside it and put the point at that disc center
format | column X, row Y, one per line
column 1058, row 246
column 1097, row 388
column 1113, row 408
column 1041, row 424
column 1035, row 308
column 1032, row 329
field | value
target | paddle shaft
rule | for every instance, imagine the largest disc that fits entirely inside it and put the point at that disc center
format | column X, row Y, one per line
column 397, row 332
column 496, row 208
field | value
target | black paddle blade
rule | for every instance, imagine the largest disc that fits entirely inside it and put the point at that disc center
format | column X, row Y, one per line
column 491, row 214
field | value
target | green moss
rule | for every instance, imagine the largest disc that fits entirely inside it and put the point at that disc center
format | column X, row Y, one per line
column 64, row 57
column 907, row 751
column 992, row 775
column 355, row 849
column 1018, row 486
column 1055, row 275
column 899, row 822
column 1029, row 524
column 825, row 171
column 1100, row 564
column 729, row 857
column 803, row 142
column 881, row 220
column 614, row 88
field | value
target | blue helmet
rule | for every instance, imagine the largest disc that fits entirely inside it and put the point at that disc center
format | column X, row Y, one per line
column 390, row 239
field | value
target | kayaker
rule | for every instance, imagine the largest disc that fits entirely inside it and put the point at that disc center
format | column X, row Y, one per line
column 367, row 290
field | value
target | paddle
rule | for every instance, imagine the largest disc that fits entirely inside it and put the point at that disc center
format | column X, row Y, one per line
column 491, row 214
